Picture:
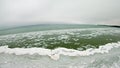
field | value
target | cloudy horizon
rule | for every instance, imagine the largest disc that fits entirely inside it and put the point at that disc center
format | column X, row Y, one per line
column 26, row 12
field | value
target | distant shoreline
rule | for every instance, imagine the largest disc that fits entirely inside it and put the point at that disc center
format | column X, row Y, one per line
column 112, row 26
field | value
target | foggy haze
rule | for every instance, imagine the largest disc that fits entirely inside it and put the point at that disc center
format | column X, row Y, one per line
column 26, row 12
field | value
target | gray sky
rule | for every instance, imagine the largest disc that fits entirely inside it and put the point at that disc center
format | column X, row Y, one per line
column 22, row 12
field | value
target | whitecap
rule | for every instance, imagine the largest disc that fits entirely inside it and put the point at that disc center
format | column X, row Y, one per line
column 55, row 54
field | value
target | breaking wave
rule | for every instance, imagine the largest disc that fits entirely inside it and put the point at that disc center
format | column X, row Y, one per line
column 66, row 48
column 55, row 54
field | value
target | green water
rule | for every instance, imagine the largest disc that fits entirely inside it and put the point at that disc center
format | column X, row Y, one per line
column 79, row 37
column 43, row 27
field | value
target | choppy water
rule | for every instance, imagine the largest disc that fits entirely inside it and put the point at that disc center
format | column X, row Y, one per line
column 106, row 60
column 65, row 47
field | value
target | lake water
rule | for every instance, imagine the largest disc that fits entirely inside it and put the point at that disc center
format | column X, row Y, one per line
column 60, row 46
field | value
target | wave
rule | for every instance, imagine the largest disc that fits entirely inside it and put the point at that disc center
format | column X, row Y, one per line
column 55, row 54
column 78, row 39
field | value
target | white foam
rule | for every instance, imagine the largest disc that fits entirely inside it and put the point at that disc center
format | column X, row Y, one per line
column 55, row 54
column 96, row 32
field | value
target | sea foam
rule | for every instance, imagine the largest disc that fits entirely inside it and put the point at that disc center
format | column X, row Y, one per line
column 55, row 54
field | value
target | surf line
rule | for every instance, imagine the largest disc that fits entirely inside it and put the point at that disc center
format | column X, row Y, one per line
column 55, row 54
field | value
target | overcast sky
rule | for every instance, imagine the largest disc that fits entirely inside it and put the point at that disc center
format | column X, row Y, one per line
column 22, row 12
